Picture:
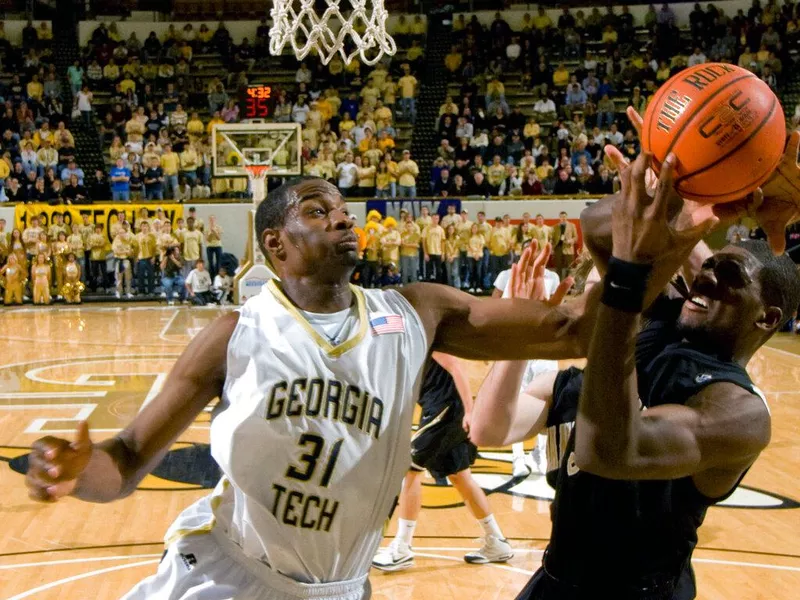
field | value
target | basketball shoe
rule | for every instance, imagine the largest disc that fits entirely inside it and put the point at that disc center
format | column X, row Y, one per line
column 493, row 550
column 394, row 557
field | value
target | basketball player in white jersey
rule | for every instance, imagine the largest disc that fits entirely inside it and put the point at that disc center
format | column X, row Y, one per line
column 317, row 380
column 533, row 369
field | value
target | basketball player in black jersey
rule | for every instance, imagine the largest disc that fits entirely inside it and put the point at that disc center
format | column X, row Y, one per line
column 441, row 446
column 633, row 486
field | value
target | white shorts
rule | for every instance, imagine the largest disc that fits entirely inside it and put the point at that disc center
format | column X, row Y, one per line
column 209, row 566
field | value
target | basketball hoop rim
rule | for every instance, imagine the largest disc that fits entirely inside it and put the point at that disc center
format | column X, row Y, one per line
column 257, row 171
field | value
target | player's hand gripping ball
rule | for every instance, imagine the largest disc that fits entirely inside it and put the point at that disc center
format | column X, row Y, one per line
column 725, row 126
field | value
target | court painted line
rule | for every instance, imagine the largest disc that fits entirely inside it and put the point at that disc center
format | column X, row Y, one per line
column 449, row 548
column 33, row 374
column 53, row 584
column 102, row 430
column 782, row 351
column 733, row 563
column 78, row 560
column 168, row 325
column 461, row 560
column 33, row 395
column 138, row 345
column 57, row 362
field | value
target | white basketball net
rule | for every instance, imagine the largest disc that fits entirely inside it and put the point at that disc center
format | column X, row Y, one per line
column 258, row 181
column 296, row 22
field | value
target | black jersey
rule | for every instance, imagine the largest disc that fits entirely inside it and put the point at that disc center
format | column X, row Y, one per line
column 440, row 444
column 438, row 389
column 630, row 539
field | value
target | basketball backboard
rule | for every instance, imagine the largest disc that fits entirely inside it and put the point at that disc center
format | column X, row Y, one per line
column 237, row 144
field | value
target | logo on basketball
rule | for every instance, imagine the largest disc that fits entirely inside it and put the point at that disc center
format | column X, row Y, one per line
column 731, row 118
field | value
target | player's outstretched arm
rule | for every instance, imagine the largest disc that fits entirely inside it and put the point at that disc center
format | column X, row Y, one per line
column 503, row 415
column 500, row 329
column 614, row 438
column 113, row 468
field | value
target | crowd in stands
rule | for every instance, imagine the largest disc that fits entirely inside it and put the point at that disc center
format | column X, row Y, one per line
column 152, row 257
column 568, row 80
column 157, row 121
column 454, row 250
column 37, row 149
column 579, row 73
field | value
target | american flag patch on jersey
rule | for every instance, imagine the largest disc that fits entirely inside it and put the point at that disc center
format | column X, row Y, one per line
column 387, row 323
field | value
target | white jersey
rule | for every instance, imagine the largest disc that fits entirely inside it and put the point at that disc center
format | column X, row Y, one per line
column 312, row 438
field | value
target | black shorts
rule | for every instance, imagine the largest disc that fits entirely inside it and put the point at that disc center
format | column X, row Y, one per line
column 544, row 587
column 441, row 445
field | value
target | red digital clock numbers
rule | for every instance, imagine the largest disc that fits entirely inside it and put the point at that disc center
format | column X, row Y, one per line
column 258, row 102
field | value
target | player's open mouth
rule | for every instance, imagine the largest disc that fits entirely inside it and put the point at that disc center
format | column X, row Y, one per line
column 349, row 243
column 700, row 302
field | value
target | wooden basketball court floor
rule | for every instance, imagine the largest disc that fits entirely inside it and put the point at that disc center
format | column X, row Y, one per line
column 59, row 365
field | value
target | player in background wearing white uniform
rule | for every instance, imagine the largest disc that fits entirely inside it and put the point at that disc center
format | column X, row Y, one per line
column 534, row 368
column 317, row 380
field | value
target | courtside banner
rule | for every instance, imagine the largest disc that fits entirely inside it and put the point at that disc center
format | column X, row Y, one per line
column 102, row 214
column 392, row 207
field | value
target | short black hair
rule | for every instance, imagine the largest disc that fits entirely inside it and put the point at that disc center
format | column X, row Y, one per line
column 778, row 276
column 271, row 213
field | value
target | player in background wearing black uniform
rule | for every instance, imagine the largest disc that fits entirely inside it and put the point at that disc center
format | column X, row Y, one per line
column 632, row 485
column 442, row 447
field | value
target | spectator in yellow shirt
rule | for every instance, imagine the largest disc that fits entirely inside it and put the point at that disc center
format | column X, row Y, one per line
column 499, row 247
column 433, row 246
column 411, row 237
column 347, row 123
column 365, row 173
column 189, row 161
column 544, row 170
column 408, row 91
column 390, row 243
column 402, row 28
column 542, row 21
column 497, row 175
column 127, row 84
column 475, row 246
column 609, row 35
column 369, row 95
column 414, row 54
column 170, row 163
column 35, row 89
column 561, row 77
column 407, row 172
column 382, row 115
column 385, row 142
column 111, row 73
column 389, row 92
column 383, row 179
column 195, row 128
column 452, row 62
column 418, row 27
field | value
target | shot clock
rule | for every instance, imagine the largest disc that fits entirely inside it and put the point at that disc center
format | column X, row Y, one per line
column 258, row 101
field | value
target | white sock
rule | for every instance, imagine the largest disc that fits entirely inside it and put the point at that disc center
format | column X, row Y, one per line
column 518, row 450
column 405, row 530
column 490, row 527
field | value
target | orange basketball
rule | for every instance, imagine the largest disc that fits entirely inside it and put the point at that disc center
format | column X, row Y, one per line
column 725, row 126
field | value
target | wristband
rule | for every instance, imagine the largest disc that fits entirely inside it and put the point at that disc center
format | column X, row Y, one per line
column 625, row 285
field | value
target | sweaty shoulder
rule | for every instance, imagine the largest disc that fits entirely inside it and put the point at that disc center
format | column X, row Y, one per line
column 218, row 335
column 734, row 427
column 433, row 303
